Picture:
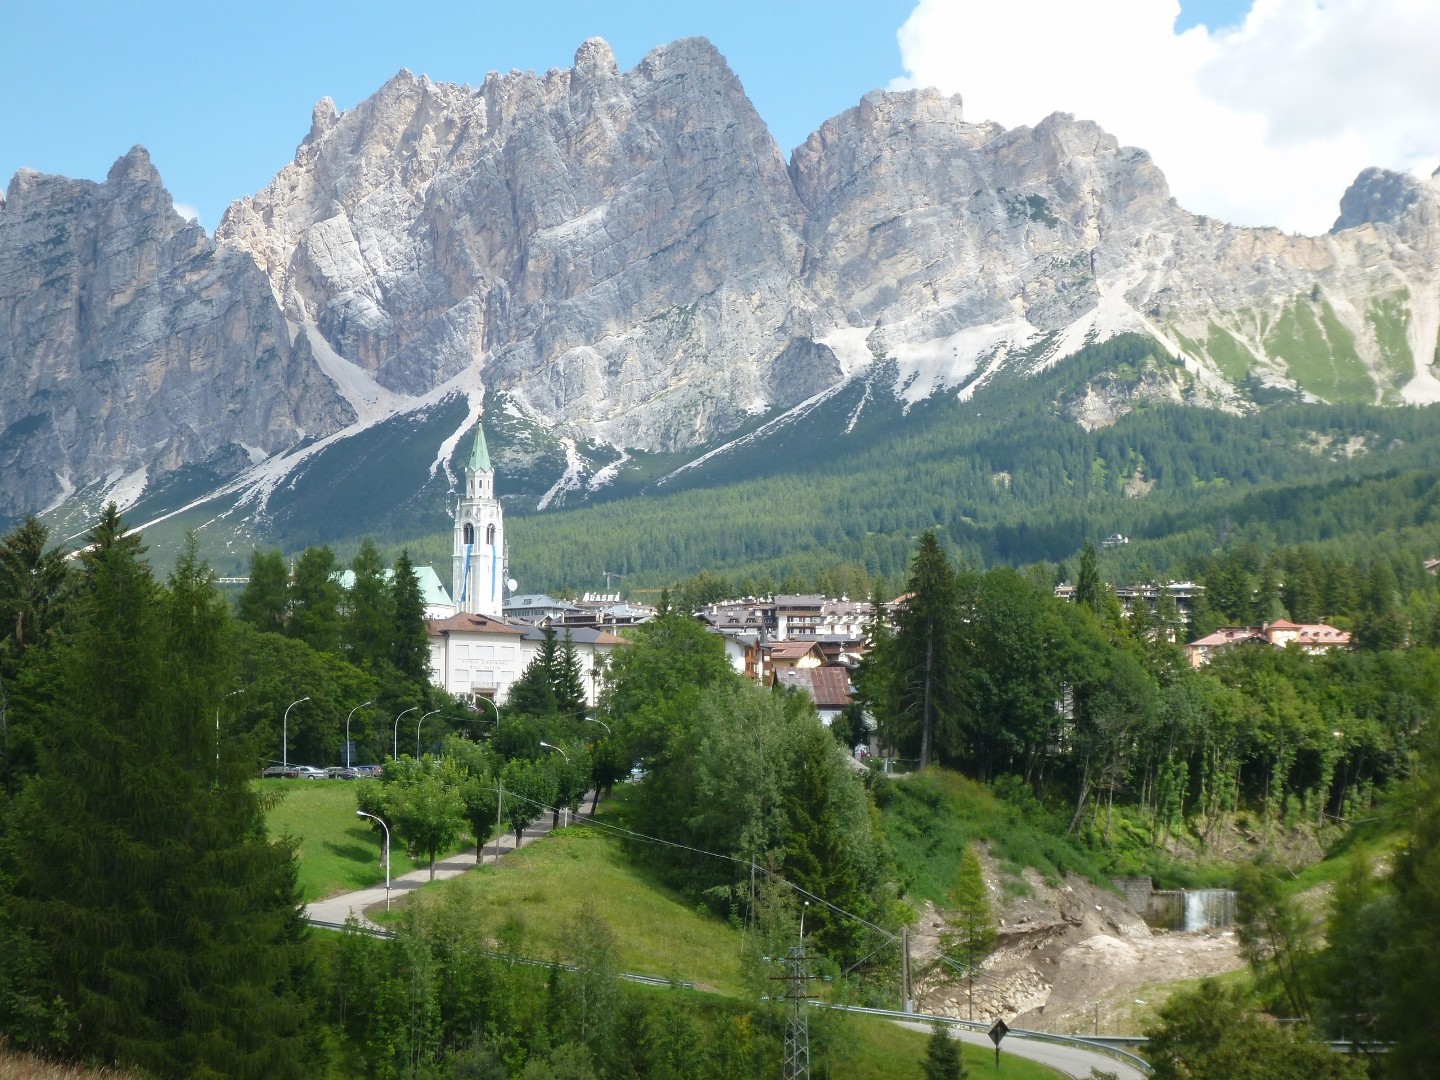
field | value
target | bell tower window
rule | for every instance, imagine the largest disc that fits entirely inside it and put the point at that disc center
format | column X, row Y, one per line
column 490, row 535
column 469, row 533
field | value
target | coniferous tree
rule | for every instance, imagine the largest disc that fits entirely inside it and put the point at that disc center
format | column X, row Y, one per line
column 411, row 641
column 972, row 926
column 569, row 680
column 942, row 1056
column 1089, row 587
column 265, row 601
column 32, row 581
column 170, row 927
column 369, row 611
column 315, row 598
column 925, row 694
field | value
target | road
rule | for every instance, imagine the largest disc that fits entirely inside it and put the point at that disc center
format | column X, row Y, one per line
column 1071, row 1060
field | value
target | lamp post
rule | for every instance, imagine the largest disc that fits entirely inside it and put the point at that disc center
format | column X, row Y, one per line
column 482, row 697
column 552, row 746
column 602, row 723
column 372, row 817
column 347, row 729
column 422, row 720
column 285, row 733
column 395, row 741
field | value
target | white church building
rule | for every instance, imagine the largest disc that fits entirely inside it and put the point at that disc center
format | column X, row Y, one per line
column 475, row 651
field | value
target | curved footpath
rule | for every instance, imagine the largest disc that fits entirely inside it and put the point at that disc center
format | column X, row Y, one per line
column 1073, row 1061
column 336, row 909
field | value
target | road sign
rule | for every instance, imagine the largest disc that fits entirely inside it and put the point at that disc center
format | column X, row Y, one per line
column 998, row 1032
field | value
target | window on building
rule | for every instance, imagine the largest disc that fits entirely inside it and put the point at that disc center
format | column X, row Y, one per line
column 469, row 533
column 490, row 535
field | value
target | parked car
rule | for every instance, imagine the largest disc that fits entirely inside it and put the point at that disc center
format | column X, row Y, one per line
column 285, row 772
column 341, row 772
column 366, row 772
column 309, row 772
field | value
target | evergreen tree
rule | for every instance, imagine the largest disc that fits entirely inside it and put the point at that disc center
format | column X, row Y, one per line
column 411, row 655
column 568, row 679
column 818, row 855
column 1412, row 963
column 925, row 691
column 315, row 597
column 942, row 1056
column 170, row 926
column 971, row 932
column 264, row 603
column 370, row 617
column 1089, row 587
column 32, row 581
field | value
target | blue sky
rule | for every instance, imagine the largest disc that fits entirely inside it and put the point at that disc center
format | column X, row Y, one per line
column 221, row 94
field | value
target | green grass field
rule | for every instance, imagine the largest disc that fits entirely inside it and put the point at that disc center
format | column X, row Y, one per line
column 543, row 884
column 338, row 851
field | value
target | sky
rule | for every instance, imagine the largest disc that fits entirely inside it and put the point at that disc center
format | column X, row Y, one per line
column 1260, row 112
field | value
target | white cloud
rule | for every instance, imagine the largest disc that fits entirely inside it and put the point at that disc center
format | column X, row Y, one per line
column 1264, row 123
column 188, row 212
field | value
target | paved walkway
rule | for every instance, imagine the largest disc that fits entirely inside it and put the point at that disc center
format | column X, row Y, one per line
column 336, row 909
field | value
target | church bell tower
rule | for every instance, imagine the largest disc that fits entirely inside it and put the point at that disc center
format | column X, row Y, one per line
column 480, row 568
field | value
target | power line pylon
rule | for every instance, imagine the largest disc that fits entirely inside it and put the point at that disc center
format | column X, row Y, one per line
column 796, row 1065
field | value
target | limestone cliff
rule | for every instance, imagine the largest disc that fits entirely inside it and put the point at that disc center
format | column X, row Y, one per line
column 133, row 344
column 628, row 258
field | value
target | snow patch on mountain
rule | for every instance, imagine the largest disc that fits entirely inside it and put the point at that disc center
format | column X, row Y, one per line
column 368, row 398
column 572, row 479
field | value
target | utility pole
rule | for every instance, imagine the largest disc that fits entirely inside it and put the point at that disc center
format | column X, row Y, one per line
column 907, row 998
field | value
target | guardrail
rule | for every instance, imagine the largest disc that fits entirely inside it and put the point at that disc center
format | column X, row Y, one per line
column 1076, row 1042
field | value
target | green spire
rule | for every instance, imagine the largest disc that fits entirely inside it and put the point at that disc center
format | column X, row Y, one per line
column 480, row 455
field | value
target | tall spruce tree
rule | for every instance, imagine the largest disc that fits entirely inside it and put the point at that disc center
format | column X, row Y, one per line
column 169, row 925
column 568, row 679
column 369, row 615
column 411, row 643
column 315, row 597
column 265, row 602
column 926, row 691
column 32, row 580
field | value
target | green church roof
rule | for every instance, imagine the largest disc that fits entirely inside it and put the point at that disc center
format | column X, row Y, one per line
column 480, row 455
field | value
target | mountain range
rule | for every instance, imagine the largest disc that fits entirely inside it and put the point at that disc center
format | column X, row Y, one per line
column 623, row 271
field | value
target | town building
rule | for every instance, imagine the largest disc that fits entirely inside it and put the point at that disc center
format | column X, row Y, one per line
column 1311, row 638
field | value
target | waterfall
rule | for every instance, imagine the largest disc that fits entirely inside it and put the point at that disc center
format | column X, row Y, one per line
column 1206, row 908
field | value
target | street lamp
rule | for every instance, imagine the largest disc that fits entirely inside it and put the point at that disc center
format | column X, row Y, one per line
column 347, row 729
column 551, row 746
column 422, row 720
column 372, row 817
column 602, row 723
column 482, row 697
column 395, row 741
column 285, row 733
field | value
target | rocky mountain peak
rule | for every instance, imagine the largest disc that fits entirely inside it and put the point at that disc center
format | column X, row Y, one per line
column 134, row 167
column 1380, row 196
column 595, row 60
column 322, row 118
